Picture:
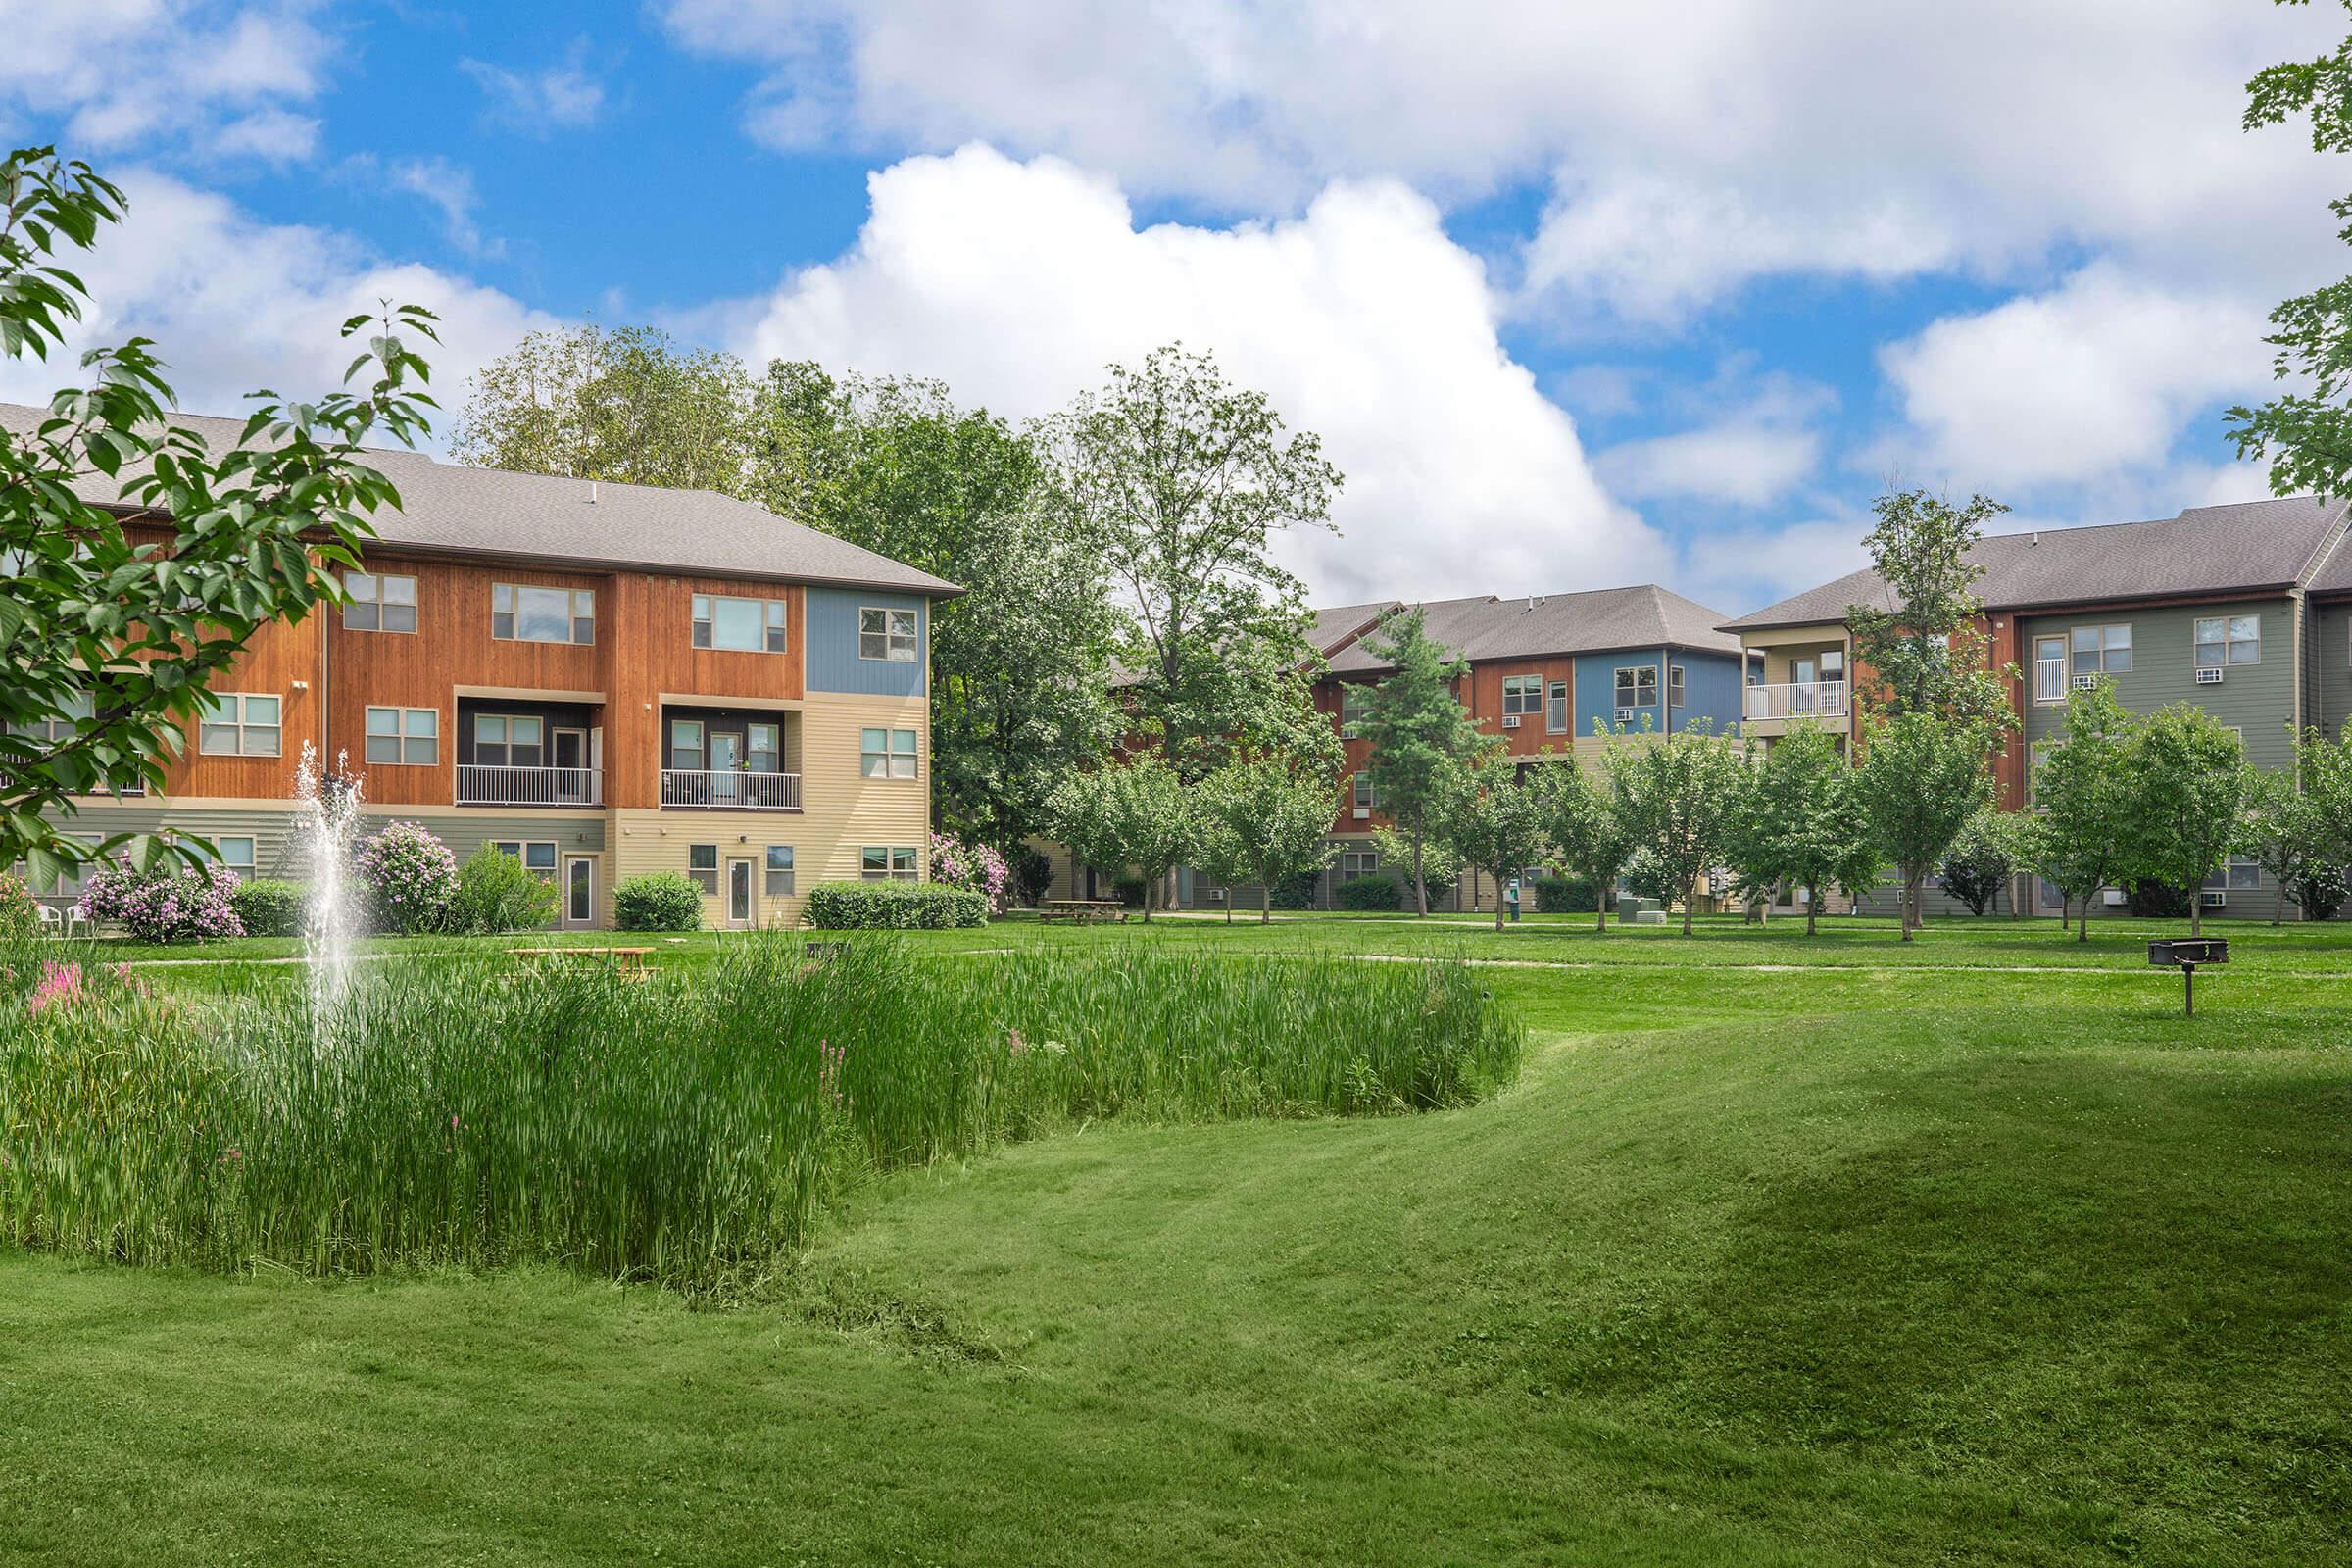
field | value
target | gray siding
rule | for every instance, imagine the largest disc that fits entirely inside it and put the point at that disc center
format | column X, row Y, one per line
column 2331, row 665
column 578, row 832
column 833, row 664
column 278, row 850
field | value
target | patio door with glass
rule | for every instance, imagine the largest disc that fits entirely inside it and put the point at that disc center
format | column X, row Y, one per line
column 739, row 895
column 579, row 890
column 570, row 758
column 726, row 762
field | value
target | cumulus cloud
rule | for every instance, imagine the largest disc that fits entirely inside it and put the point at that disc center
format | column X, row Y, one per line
column 1755, row 440
column 446, row 188
column 1017, row 282
column 563, row 95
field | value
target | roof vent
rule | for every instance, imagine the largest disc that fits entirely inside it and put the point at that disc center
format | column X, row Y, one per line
column 591, row 492
column 1535, row 601
column 2036, row 536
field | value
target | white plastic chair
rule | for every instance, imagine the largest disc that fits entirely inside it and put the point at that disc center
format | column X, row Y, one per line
column 52, row 921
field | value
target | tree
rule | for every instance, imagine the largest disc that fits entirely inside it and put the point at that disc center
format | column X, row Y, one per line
column 1921, row 778
column 625, row 405
column 1680, row 797
column 2079, row 789
column 1802, row 818
column 2184, row 777
column 1440, row 866
column 1496, row 823
column 1981, row 860
column 1265, row 818
column 1134, row 815
column 1182, row 481
column 1590, row 838
column 256, row 529
column 2300, row 837
column 2307, row 435
column 1923, row 643
column 1421, row 739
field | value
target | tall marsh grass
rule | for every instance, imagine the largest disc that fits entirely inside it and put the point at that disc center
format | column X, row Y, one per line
column 686, row 1126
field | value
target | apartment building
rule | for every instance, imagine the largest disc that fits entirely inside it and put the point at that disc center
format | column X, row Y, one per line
column 600, row 679
column 2244, row 609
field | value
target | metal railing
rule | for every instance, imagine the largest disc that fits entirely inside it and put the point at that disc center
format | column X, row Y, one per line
column 1801, row 699
column 2049, row 681
column 731, row 791
column 480, row 784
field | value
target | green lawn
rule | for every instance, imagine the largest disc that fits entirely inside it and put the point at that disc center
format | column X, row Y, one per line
column 1780, row 1253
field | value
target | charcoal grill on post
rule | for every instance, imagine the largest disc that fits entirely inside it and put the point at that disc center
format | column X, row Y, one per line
column 2185, row 954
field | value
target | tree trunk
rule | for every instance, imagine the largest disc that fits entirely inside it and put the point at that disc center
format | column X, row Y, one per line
column 2082, row 919
column 1911, row 887
column 2196, row 911
column 1600, row 909
column 1265, row 901
column 1420, row 888
column 1812, row 912
column 1690, row 903
column 1498, row 905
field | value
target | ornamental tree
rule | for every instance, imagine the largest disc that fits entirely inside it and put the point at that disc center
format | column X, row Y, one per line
column 1421, row 738
column 1679, row 798
column 1135, row 816
column 2300, row 837
column 111, row 643
column 2186, row 779
column 1983, row 858
column 1804, row 824
column 1587, row 837
column 1264, row 819
column 1495, row 822
column 1921, row 778
column 1922, row 643
column 2079, row 789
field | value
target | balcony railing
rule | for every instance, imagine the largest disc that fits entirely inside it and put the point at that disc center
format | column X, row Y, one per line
column 2049, row 681
column 479, row 784
column 731, row 791
column 1801, row 699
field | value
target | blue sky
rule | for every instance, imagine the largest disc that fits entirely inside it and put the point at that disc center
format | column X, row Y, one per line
column 1576, row 295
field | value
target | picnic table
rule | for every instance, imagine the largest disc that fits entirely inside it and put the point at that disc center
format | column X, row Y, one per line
column 1082, row 911
column 627, row 957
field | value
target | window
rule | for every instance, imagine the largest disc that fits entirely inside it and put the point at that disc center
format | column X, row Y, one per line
column 239, row 724
column 779, row 870
column 744, row 626
column 1357, row 862
column 1556, row 708
column 887, row 753
column 888, row 634
column 1833, row 665
column 702, row 867
column 1355, row 702
column 67, row 884
column 403, row 737
column 538, row 856
column 762, row 747
column 2101, row 650
column 1522, row 694
column 887, row 863
column 2239, row 876
column 58, row 730
column 1674, row 685
column 236, row 853
column 686, row 747
column 1366, row 795
column 526, row 614
column 508, row 740
column 2229, row 640
column 1638, row 686
column 379, row 602
column 2050, row 669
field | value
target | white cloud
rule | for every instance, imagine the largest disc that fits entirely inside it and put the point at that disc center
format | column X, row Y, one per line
column 1739, row 569
column 1755, row 442
column 448, row 188
column 1016, row 283
column 561, row 96
column 235, row 304
column 2087, row 383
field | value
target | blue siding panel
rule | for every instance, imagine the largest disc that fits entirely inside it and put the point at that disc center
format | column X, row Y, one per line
column 1597, row 690
column 1711, row 690
column 832, row 644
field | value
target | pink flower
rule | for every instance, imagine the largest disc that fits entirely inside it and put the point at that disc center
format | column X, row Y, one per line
column 60, row 986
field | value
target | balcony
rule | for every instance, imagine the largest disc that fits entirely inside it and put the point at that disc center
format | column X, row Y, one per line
column 482, row 785
column 2049, row 681
column 730, row 791
column 1802, row 699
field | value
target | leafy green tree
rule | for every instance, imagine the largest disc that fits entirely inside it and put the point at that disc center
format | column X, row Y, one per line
column 1183, row 481
column 1441, row 868
column 2299, row 829
column 1679, row 798
column 1496, row 825
column 1421, row 738
column 2184, row 779
column 1264, row 819
column 1134, row 815
column 1587, row 837
column 258, row 530
column 625, row 404
column 1922, row 778
column 1803, row 820
column 1983, row 858
column 1921, row 648
column 2079, row 791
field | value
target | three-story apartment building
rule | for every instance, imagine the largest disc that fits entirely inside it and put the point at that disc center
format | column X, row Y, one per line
column 2244, row 609
column 600, row 679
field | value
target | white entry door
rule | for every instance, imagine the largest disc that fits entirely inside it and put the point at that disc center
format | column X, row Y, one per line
column 739, row 895
column 579, row 890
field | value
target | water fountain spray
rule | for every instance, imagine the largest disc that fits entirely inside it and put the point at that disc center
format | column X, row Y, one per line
column 333, row 802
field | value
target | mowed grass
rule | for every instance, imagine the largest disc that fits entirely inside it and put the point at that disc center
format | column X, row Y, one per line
column 1840, row 1264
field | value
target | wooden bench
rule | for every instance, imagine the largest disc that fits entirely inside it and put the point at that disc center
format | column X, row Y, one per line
column 1082, row 911
column 631, row 958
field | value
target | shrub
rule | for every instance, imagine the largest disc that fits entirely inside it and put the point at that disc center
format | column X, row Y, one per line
column 2319, row 897
column 1565, row 894
column 1374, row 889
column 496, row 892
column 269, row 908
column 1129, row 891
column 1295, row 891
column 956, row 864
column 411, row 878
column 178, row 905
column 2156, row 900
column 1032, row 874
column 19, row 911
column 894, row 907
column 658, row 901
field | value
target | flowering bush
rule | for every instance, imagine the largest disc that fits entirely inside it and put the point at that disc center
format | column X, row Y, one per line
column 410, row 878
column 958, row 864
column 60, row 986
column 164, row 906
column 19, row 911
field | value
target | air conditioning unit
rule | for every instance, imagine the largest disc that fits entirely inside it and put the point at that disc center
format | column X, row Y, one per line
column 1216, row 895
column 2084, row 683
column 2209, row 677
column 1510, row 722
column 2116, row 897
column 1624, row 716
column 1363, row 813
column 2214, row 898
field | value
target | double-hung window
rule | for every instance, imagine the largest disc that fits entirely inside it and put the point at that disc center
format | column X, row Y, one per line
column 762, row 747
column 887, row 634
column 879, row 863
column 1522, row 694
column 779, row 870
column 2100, row 650
column 1355, row 702
column 74, row 710
column 1636, row 686
column 702, row 867
column 509, row 740
column 1674, row 685
column 538, row 856
column 686, row 748
column 744, row 625
column 2223, row 640
column 2239, row 876
column 378, row 602
column 1366, row 795
column 403, row 737
column 887, row 753
column 1556, row 708
column 1357, row 862
column 236, row 855
column 524, row 613
column 242, row 724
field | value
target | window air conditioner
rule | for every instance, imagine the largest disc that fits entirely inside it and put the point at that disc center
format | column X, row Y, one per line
column 1624, row 716
column 2209, row 677
column 2115, row 898
column 1363, row 813
column 2214, row 898
column 1510, row 722
column 1216, row 895
column 2084, row 683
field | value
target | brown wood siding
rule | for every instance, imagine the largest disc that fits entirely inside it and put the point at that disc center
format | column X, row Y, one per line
column 1486, row 703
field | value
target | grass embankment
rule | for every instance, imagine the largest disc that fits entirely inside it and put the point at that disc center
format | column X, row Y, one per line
column 1840, row 1265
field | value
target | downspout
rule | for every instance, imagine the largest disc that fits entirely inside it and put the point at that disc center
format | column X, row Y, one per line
column 326, row 750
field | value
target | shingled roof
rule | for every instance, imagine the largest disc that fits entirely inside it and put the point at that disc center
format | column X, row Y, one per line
column 449, row 509
column 1598, row 620
column 2241, row 548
